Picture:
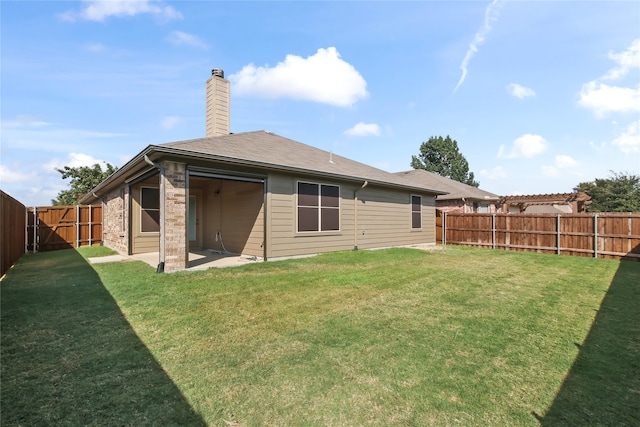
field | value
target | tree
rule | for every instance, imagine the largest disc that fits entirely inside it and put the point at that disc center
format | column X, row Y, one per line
column 441, row 156
column 83, row 180
column 619, row 193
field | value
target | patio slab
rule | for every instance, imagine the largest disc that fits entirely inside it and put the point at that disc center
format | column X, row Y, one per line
column 198, row 260
column 110, row 258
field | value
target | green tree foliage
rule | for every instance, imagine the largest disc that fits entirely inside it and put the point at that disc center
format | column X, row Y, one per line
column 83, row 180
column 618, row 193
column 442, row 156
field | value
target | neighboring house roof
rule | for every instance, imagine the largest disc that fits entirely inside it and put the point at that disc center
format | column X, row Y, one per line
column 546, row 199
column 264, row 150
column 457, row 190
column 554, row 209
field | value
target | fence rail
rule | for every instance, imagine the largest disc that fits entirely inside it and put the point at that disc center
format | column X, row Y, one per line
column 12, row 229
column 50, row 228
column 601, row 235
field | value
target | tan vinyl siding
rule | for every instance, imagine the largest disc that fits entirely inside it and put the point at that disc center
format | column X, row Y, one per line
column 236, row 210
column 141, row 242
column 283, row 238
column 384, row 215
column 243, row 217
column 384, row 219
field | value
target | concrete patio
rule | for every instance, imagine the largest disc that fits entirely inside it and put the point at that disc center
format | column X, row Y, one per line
column 198, row 260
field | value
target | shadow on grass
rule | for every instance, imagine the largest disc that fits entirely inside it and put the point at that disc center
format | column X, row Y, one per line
column 69, row 357
column 603, row 386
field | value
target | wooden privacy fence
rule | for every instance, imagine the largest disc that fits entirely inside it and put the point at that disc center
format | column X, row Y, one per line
column 50, row 228
column 12, row 226
column 600, row 235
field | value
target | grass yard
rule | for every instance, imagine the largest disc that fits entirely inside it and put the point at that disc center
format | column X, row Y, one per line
column 461, row 336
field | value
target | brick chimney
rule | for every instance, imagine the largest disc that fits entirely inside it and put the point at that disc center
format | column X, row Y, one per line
column 217, row 116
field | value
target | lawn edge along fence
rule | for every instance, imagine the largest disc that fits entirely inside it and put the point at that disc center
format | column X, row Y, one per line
column 598, row 235
column 45, row 228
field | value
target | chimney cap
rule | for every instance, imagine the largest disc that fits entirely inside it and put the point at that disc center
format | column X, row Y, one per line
column 217, row 72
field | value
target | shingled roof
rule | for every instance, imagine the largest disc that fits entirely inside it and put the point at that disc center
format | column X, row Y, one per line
column 546, row 199
column 265, row 150
column 457, row 190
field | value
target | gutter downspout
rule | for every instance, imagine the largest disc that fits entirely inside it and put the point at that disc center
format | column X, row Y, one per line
column 160, row 268
column 355, row 215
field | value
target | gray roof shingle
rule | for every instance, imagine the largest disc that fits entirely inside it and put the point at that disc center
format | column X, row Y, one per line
column 456, row 190
column 265, row 149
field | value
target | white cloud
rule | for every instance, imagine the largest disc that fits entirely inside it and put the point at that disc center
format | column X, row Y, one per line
column 73, row 160
column 519, row 91
column 602, row 98
column 24, row 121
column 364, row 129
column 179, row 38
column 527, row 146
column 99, row 10
column 598, row 147
column 11, row 175
column 629, row 141
column 170, row 122
column 29, row 133
column 323, row 77
column 626, row 60
column 490, row 15
column 495, row 173
column 564, row 161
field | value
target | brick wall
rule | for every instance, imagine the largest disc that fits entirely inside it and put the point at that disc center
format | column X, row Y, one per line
column 115, row 220
column 458, row 206
column 175, row 221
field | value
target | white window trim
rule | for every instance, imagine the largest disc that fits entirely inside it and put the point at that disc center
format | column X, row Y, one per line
column 339, row 208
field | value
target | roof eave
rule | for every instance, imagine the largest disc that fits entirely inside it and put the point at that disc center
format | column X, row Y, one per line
column 281, row 168
column 117, row 177
column 156, row 151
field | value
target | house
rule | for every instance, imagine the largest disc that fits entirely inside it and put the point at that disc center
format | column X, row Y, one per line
column 575, row 202
column 461, row 198
column 256, row 194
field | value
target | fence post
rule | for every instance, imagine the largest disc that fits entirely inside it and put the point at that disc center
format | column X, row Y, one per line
column 444, row 228
column 558, row 234
column 36, row 234
column 26, row 230
column 77, row 226
column 493, row 231
column 90, row 227
column 595, row 235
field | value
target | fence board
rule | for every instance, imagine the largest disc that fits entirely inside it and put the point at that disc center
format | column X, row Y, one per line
column 607, row 235
column 12, row 231
column 61, row 227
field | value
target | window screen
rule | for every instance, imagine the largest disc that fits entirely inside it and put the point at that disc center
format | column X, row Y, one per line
column 149, row 210
column 416, row 212
column 318, row 207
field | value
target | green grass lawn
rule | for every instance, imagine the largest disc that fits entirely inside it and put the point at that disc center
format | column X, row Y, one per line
column 461, row 336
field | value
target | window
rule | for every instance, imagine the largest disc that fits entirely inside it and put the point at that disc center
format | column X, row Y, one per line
column 149, row 210
column 318, row 207
column 416, row 212
column 483, row 208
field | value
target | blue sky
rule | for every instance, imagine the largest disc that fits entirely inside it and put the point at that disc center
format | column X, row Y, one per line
column 540, row 95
